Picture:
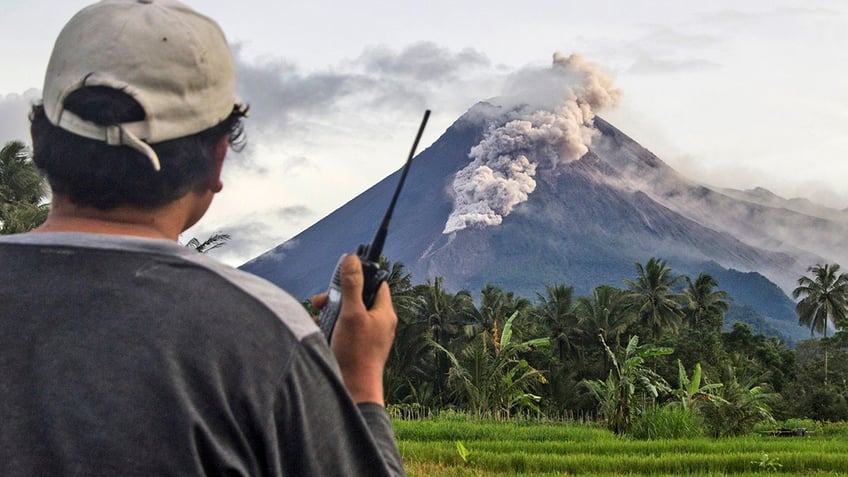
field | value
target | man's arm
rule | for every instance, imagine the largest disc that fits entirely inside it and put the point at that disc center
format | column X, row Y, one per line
column 381, row 429
column 361, row 343
column 323, row 432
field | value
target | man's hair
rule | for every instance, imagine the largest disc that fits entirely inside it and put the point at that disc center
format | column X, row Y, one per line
column 93, row 173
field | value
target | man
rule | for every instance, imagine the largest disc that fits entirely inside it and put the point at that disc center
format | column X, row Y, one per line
column 124, row 353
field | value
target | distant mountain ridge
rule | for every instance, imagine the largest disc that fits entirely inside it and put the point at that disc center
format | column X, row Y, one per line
column 586, row 223
column 758, row 218
column 759, row 195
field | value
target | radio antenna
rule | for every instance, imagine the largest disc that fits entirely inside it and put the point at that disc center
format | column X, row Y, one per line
column 376, row 247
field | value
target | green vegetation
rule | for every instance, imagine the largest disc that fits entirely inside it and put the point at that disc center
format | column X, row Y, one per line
column 495, row 381
column 627, row 381
column 22, row 190
column 214, row 241
column 653, row 359
column 825, row 301
column 456, row 445
column 667, row 422
column 629, row 384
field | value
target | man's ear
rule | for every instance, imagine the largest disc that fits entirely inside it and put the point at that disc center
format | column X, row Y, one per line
column 218, row 155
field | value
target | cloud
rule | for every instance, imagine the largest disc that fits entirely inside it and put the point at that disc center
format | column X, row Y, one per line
column 670, row 50
column 286, row 101
column 293, row 214
column 278, row 253
column 421, row 62
column 735, row 18
column 278, row 92
column 14, row 116
column 652, row 65
column 249, row 237
column 672, row 39
column 536, row 135
column 817, row 10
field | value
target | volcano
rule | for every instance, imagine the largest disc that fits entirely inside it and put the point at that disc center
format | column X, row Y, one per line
column 585, row 223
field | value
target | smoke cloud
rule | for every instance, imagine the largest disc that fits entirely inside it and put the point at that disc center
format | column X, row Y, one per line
column 502, row 172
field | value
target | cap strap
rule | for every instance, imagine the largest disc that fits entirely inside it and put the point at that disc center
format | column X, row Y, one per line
column 114, row 135
column 126, row 138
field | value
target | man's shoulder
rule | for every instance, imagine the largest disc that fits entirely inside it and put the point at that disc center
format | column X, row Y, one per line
column 278, row 301
column 184, row 267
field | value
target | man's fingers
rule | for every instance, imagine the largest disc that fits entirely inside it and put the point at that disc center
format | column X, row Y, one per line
column 319, row 301
column 383, row 298
column 351, row 279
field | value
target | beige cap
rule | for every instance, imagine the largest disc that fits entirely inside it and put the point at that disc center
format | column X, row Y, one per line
column 174, row 61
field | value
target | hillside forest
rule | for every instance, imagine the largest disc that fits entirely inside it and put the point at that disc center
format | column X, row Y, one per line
column 658, row 344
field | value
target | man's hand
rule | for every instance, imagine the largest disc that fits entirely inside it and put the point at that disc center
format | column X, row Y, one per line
column 362, row 338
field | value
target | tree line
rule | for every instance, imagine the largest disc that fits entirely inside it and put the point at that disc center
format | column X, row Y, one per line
column 658, row 343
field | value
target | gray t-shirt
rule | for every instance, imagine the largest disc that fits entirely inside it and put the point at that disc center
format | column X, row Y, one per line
column 126, row 356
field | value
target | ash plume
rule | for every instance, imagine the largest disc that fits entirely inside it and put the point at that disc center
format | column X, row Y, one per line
column 502, row 172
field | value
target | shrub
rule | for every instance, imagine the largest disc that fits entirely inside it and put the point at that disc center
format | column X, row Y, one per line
column 668, row 422
column 742, row 405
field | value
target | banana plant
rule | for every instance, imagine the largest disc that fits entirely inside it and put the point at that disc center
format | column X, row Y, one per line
column 690, row 391
column 492, row 379
column 628, row 380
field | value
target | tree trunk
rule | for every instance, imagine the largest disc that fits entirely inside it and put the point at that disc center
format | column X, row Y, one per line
column 825, row 352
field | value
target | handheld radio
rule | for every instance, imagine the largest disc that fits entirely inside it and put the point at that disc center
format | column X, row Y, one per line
column 369, row 255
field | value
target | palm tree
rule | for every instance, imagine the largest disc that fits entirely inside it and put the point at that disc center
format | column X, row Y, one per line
column 555, row 316
column 653, row 291
column 214, row 241
column 445, row 314
column 825, row 300
column 703, row 302
column 495, row 307
column 408, row 375
column 608, row 313
column 442, row 315
column 412, row 364
column 556, row 312
column 404, row 298
column 22, row 190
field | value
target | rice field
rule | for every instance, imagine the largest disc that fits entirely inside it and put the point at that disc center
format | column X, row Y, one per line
column 429, row 448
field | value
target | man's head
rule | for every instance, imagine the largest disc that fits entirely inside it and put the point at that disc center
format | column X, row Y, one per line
column 137, row 96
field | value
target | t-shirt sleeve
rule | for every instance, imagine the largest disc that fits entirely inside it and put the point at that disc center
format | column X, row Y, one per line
column 378, row 422
column 321, row 431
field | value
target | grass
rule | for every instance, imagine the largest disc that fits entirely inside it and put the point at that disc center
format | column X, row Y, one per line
column 429, row 448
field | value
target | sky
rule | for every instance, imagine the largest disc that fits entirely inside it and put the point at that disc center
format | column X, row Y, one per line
column 737, row 94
